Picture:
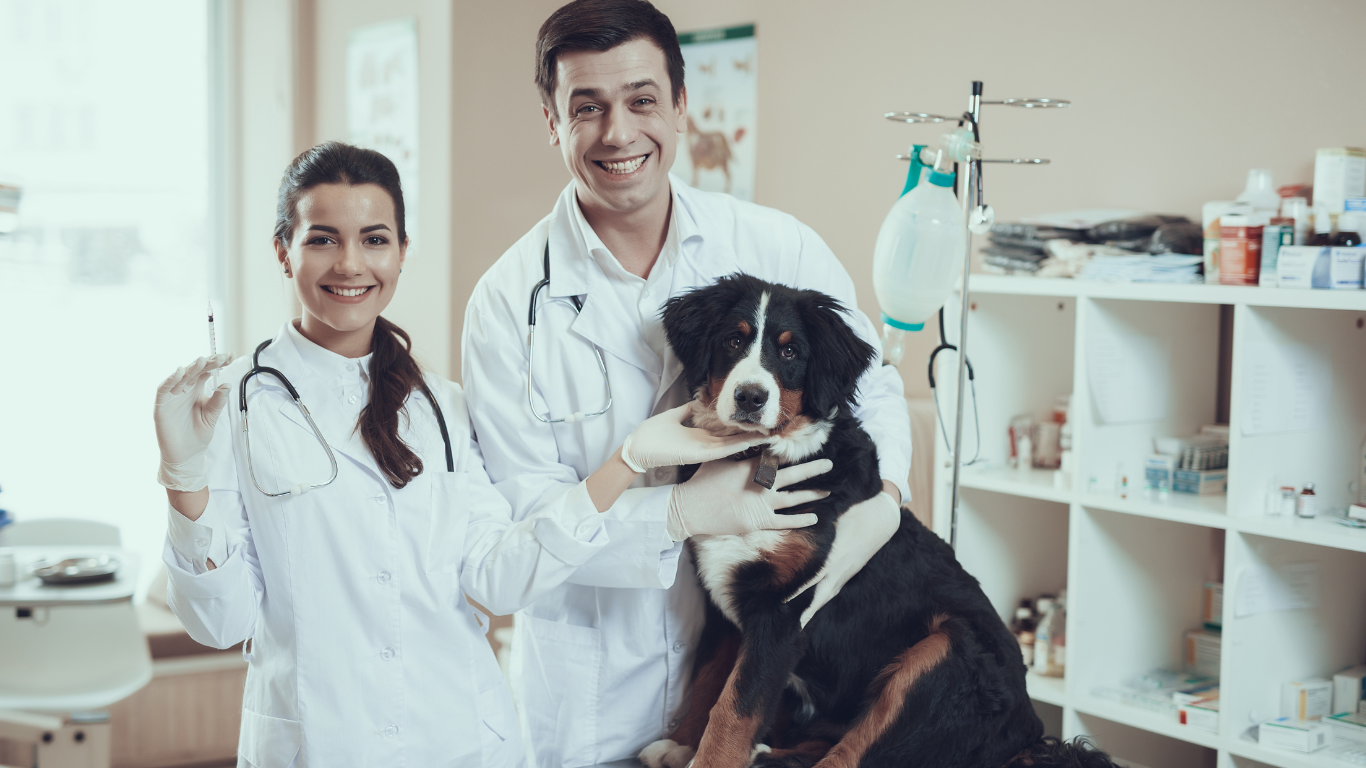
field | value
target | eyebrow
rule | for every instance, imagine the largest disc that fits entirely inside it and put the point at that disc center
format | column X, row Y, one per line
column 373, row 227
column 333, row 230
column 628, row 88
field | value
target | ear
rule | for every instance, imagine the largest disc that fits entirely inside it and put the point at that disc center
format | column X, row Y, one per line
column 838, row 356
column 282, row 255
column 682, row 110
column 689, row 319
column 550, row 123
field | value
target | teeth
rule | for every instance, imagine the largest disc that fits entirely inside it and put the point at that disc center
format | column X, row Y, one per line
column 347, row 291
column 626, row 166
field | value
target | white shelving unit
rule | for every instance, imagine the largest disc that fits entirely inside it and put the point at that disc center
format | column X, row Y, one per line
column 1134, row 567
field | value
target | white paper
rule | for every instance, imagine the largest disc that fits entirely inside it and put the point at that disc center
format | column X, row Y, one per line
column 1128, row 375
column 718, row 154
column 381, row 100
column 1262, row 589
column 1082, row 219
column 1287, row 387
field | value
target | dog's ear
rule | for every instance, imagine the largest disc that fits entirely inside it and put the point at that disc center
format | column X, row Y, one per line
column 688, row 321
column 838, row 356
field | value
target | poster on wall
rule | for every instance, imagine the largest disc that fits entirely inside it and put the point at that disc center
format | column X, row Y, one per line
column 381, row 100
column 718, row 151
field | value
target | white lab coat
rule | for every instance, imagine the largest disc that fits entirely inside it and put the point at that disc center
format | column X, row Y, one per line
column 601, row 664
column 363, row 651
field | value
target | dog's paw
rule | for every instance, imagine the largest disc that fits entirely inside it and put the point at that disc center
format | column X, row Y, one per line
column 666, row 753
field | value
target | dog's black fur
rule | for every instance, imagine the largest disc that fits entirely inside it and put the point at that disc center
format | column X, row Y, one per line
column 811, row 690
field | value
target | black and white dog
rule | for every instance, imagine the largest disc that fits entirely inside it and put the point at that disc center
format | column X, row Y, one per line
column 910, row 665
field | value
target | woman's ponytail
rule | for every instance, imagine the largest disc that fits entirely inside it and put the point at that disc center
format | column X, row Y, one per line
column 394, row 374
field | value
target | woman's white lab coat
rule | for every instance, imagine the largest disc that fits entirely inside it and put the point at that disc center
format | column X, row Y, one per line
column 362, row 649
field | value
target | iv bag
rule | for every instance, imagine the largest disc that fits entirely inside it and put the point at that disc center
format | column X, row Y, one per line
column 919, row 253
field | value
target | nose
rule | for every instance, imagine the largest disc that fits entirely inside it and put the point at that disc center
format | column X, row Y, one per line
column 350, row 261
column 621, row 128
column 750, row 398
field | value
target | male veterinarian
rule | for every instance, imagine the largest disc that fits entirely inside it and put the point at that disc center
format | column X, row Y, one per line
column 601, row 665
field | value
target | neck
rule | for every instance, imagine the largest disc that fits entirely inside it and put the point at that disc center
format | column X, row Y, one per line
column 352, row 344
column 636, row 237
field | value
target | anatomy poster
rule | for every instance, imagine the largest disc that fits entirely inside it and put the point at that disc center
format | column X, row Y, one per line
column 381, row 100
column 722, row 70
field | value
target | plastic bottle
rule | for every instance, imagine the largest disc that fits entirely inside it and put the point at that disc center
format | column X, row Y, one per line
column 1260, row 191
column 919, row 253
column 1323, row 227
column 1048, row 638
column 1297, row 208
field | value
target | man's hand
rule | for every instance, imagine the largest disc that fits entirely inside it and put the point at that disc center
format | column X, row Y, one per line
column 859, row 533
column 722, row 498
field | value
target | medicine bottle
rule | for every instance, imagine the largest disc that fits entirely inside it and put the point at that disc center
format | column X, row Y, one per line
column 1308, row 503
column 1349, row 230
column 1288, row 500
column 1323, row 227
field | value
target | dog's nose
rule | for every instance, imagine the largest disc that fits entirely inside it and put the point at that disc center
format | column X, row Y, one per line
column 750, row 397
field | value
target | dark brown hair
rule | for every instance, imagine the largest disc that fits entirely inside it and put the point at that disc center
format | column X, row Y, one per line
column 601, row 25
column 394, row 373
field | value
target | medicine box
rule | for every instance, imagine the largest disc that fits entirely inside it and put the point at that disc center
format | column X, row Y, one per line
column 1346, row 268
column 1213, row 605
column 1347, row 689
column 1158, row 470
column 1295, row 265
column 1307, row 699
column 1200, row 481
column 1297, row 735
column 1202, row 652
column 1201, row 713
column 1206, row 690
column 1347, row 727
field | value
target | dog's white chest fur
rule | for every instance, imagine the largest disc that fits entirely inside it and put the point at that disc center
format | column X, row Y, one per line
column 719, row 556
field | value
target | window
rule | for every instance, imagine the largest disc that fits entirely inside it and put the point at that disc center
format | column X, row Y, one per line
column 105, row 270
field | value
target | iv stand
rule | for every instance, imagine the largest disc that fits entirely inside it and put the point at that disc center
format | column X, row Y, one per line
column 971, row 191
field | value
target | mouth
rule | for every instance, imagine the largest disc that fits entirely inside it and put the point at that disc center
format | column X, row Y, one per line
column 622, row 168
column 348, row 294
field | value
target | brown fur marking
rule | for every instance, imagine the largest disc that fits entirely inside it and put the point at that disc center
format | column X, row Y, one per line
column 744, row 327
column 729, row 738
column 791, row 556
column 895, row 682
column 789, row 408
column 815, row 749
column 709, row 679
column 784, row 337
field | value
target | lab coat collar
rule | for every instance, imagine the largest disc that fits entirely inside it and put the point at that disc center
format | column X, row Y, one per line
column 292, row 359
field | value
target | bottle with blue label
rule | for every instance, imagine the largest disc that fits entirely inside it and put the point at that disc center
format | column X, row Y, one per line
column 919, row 253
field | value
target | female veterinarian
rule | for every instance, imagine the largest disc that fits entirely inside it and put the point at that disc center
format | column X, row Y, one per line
column 335, row 517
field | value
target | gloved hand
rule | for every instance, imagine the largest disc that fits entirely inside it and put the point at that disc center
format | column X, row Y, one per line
column 663, row 441
column 722, row 498
column 859, row 533
column 185, row 418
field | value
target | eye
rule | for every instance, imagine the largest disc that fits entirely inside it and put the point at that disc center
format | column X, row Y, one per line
column 585, row 108
column 788, row 352
column 734, row 342
column 644, row 100
column 375, row 240
column 319, row 240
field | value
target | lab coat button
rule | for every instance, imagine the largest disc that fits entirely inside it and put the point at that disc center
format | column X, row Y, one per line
column 201, row 542
column 391, row 731
column 678, row 647
column 386, row 654
column 379, row 499
column 383, row 577
column 351, row 399
column 350, row 367
column 673, row 724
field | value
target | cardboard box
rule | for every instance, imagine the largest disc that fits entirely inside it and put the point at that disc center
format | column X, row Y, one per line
column 1345, row 271
column 1347, row 689
column 1202, row 651
column 1295, row 265
column 1307, row 699
column 1347, row 727
column 1205, row 690
column 1201, row 713
column 1200, row 481
column 1295, row 735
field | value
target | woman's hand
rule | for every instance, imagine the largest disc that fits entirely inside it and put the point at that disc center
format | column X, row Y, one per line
column 722, row 498
column 185, row 417
column 663, row 441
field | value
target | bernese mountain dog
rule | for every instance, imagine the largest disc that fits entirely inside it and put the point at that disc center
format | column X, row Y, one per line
column 910, row 665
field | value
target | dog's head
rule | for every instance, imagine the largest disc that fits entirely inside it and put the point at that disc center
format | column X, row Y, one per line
column 759, row 356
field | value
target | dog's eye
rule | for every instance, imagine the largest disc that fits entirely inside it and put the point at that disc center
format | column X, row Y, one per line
column 734, row 342
column 788, row 352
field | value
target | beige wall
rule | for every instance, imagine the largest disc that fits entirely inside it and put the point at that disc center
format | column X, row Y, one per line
column 1174, row 101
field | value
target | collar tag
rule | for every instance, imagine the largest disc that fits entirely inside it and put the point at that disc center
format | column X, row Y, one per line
column 767, row 473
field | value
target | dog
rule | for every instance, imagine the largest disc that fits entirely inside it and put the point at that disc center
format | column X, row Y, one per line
column 909, row 665
column 708, row 149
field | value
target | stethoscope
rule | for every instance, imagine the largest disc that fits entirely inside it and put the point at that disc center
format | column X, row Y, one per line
column 301, row 488
column 531, row 353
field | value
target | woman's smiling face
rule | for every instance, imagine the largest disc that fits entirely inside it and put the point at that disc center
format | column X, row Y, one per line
column 344, row 258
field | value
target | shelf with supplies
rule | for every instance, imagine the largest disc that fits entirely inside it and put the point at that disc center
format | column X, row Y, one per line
column 1144, row 363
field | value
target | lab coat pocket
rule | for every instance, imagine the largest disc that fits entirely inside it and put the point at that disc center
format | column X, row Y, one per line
column 558, row 667
column 450, row 517
column 268, row 742
column 499, row 738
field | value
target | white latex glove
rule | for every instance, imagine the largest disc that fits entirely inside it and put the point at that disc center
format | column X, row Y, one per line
column 663, row 441
column 859, row 533
column 722, row 498
column 185, row 418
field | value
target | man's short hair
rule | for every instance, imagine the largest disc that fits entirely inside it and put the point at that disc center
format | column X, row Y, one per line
column 601, row 25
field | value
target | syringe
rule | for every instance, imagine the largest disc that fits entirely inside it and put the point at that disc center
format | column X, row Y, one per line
column 213, row 343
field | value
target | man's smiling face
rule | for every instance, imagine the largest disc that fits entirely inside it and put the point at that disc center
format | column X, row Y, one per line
column 616, row 124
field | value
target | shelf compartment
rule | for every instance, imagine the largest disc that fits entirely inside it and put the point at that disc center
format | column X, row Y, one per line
column 1281, row 758
column 1049, row 690
column 1152, row 722
column 1135, row 740
column 1015, row 547
column 1030, row 483
column 1183, row 294
column 1206, row 510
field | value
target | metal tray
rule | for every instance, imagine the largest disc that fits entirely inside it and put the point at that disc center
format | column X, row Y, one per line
column 78, row 570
